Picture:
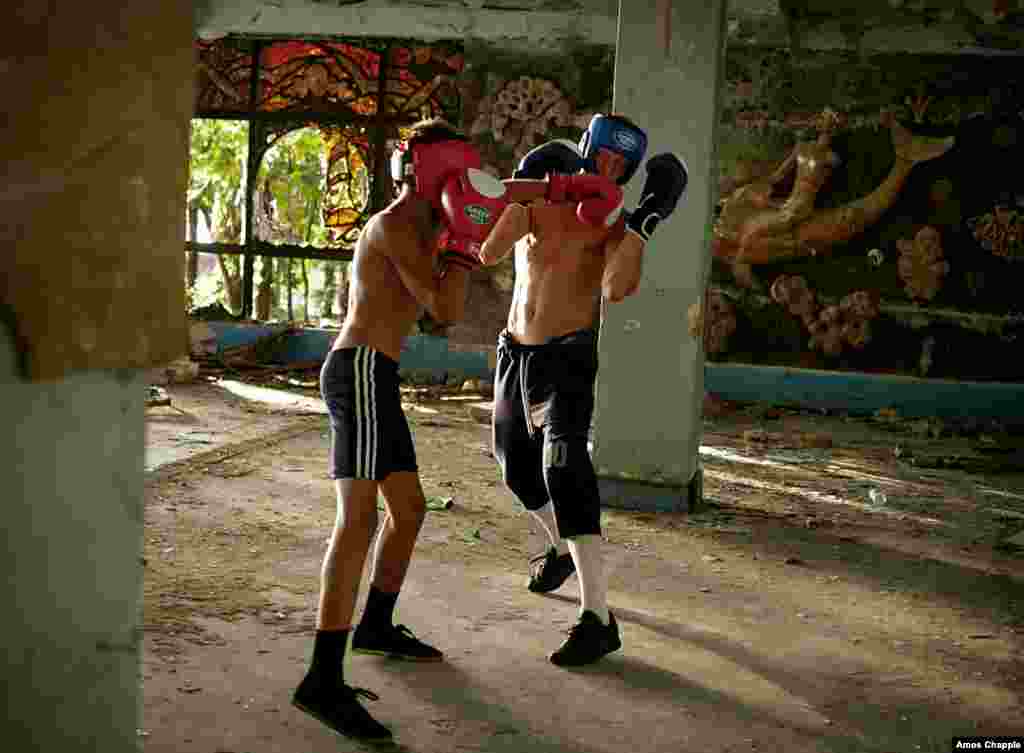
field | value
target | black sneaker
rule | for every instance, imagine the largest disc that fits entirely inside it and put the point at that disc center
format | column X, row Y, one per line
column 395, row 642
column 339, row 709
column 588, row 641
column 548, row 571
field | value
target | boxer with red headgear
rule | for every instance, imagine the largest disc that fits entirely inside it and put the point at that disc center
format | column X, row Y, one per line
column 426, row 167
column 394, row 275
column 445, row 208
column 567, row 257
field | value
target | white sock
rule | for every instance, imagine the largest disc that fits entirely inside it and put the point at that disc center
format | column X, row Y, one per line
column 546, row 517
column 589, row 558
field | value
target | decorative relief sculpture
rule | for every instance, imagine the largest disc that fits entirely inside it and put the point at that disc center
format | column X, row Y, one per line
column 756, row 227
column 835, row 327
column 521, row 113
column 922, row 265
column 1000, row 232
column 717, row 322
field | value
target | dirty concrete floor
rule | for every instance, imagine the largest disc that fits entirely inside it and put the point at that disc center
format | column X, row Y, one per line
column 793, row 613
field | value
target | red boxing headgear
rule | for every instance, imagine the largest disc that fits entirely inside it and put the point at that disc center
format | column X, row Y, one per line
column 430, row 164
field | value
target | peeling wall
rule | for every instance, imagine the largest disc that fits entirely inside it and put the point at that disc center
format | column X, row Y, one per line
column 949, row 313
column 955, row 315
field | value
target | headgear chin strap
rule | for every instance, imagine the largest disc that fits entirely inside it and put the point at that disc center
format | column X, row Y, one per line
column 609, row 132
column 428, row 165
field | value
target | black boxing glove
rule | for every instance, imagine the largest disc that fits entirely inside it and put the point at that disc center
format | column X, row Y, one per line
column 557, row 156
column 666, row 181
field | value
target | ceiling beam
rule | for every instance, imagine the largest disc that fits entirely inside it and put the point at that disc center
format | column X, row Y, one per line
column 305, row 18
column 818, row 25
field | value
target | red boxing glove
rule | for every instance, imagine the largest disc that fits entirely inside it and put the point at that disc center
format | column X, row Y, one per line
column 472, row 201
column 600, row 199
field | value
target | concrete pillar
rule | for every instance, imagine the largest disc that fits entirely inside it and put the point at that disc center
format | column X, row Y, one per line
column 72, row 481
column 647, row 423
column 92, row 211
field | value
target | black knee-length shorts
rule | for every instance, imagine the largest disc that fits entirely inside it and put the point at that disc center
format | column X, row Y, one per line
column 370, row 436
column 543, row 405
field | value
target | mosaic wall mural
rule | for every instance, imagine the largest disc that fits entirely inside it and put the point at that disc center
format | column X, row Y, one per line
column 870, row 214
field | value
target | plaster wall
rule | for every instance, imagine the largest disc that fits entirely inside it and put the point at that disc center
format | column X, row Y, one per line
column 72, row 490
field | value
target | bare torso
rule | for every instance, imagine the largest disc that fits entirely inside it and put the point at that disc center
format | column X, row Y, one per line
column 381, row 309
column 559, row 267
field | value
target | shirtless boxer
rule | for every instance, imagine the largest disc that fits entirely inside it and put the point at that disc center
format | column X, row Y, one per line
column 566, row 259
column 445, row 209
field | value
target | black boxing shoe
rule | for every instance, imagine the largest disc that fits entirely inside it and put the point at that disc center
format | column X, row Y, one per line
column 394, row 642
column 338, row 707
column 589, row 639
column 549, row 571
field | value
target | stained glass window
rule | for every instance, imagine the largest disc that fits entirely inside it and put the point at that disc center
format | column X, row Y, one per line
column 360, row 94
column 329, row 77
column 223, row 73
column 346, row 202
column 420, row 82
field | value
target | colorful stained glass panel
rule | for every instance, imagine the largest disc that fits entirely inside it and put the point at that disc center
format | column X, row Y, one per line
column 329, row 77
column 223, row 74
column 346, row 202
column 420, row 81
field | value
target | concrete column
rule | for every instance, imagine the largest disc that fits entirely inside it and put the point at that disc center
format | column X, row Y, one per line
column 72, row 481
column 647, row 424
column 92, row 210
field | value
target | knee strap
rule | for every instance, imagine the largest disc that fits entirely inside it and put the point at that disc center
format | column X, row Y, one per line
column 572, row 485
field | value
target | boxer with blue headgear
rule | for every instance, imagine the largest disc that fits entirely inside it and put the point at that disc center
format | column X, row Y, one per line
column 617, row 134
column 571, row 250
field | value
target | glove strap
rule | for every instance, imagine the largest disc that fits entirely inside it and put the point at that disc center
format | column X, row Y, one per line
column 642, row 221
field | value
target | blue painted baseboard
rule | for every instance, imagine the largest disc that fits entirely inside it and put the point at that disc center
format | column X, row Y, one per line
column 863, row 394
column 422, row 355
column 849, row 392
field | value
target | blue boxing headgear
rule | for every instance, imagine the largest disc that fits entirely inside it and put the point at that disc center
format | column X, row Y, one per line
column 610, row 132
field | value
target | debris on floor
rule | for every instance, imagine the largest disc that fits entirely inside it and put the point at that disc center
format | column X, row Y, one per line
column 157, row 396
column 903, row 582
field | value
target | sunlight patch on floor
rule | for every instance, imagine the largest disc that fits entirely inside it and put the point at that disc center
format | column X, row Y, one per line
column 813, row 496
column 275, row 397
column 720, row 453
column 419, row 408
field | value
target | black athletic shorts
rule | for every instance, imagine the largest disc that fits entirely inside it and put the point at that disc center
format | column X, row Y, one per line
column 370, row 436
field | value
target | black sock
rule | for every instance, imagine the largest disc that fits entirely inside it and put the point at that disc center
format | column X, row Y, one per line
column 329, row 655
column 380, row 608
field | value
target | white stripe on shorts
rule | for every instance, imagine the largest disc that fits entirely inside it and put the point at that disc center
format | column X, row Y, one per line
column 357, row 369
column 373, row 413
column 366, row 413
